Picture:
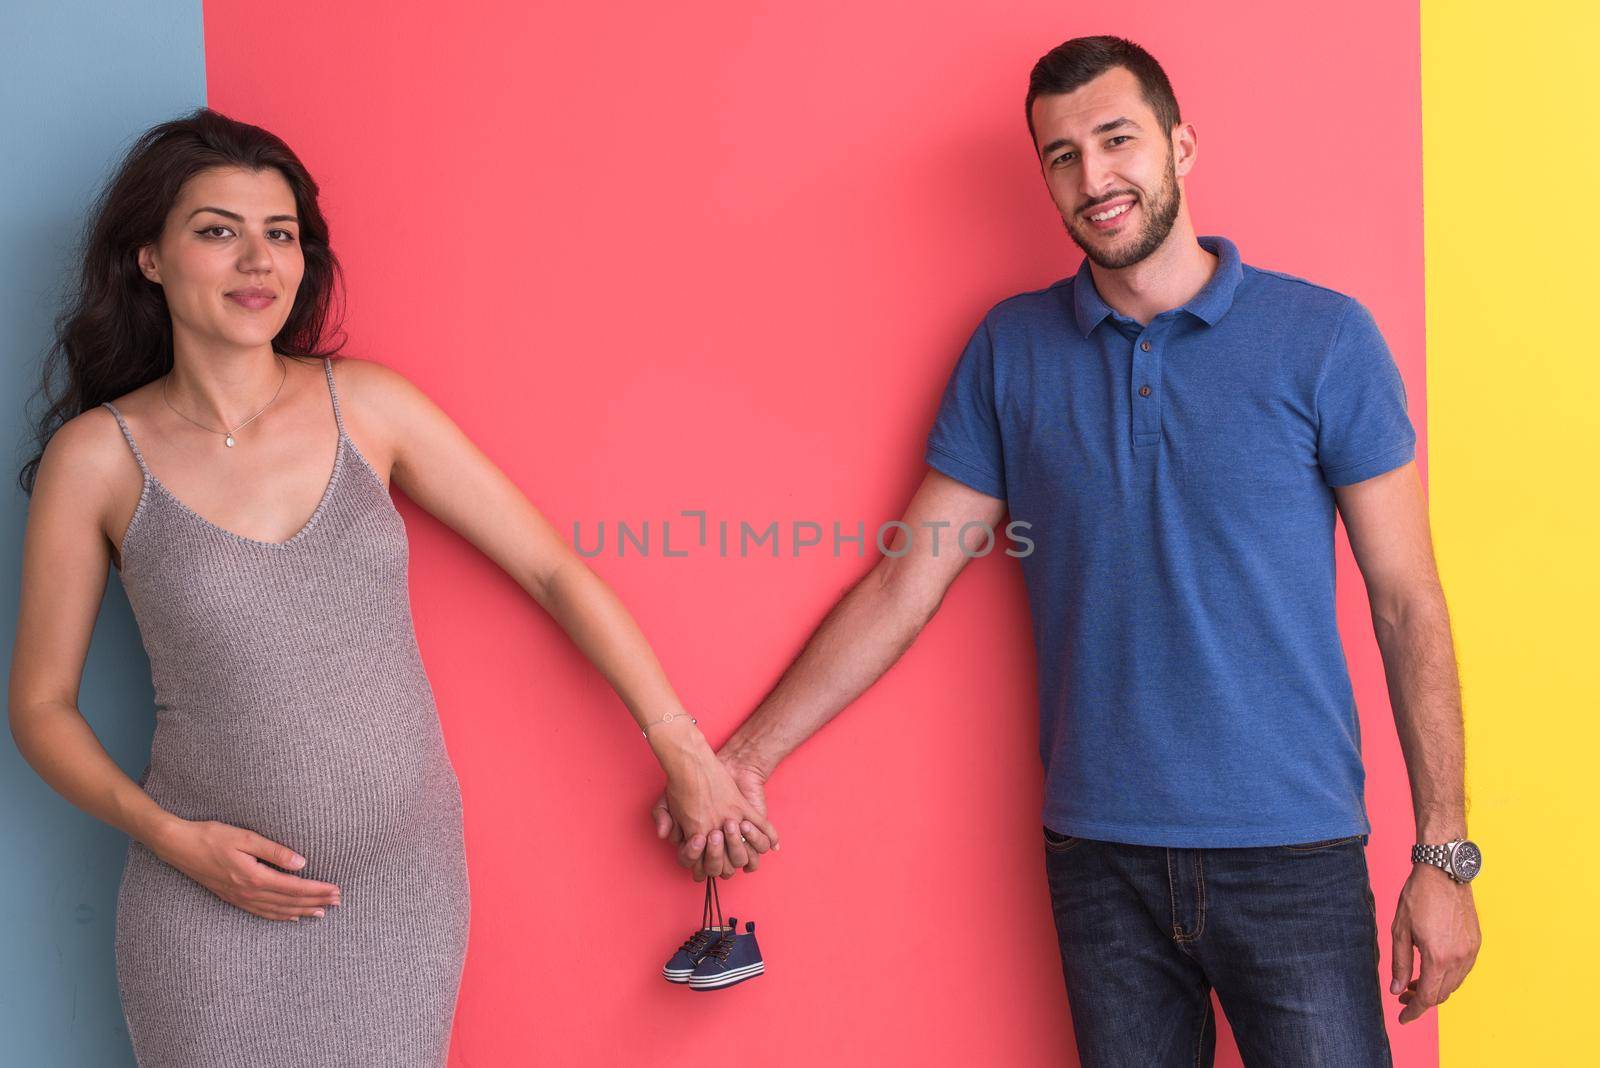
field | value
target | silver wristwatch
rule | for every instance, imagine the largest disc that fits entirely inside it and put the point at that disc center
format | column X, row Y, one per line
column 1460, row 859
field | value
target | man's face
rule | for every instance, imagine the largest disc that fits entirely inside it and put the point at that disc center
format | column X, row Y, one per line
column 1110, row 168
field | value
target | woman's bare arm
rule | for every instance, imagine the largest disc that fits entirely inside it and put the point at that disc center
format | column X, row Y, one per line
column 82, row 479
column 438, row 467
column 65, row 559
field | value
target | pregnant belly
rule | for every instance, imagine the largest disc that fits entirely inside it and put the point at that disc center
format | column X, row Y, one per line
column 339, row 791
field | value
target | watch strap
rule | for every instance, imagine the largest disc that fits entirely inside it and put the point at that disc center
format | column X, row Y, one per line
column 1437, row 855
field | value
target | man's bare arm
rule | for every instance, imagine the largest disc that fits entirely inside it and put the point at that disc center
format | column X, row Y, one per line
column 1436, row 919
column 860, row 639
column 872, row 625
column 1387, row 520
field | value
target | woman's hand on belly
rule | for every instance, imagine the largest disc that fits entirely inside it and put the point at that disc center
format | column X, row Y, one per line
column 237, row 866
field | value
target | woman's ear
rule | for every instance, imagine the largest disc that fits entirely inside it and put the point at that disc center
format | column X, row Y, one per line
column 147, row 263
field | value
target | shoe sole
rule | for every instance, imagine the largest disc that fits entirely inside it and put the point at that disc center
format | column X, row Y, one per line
column 729, row 978
column 677, row 977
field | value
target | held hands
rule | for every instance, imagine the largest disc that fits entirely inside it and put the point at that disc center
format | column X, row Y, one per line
column 714, row 810
column 224, row 859
column 1436, row 917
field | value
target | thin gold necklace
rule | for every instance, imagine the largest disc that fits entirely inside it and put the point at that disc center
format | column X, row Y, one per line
column 241, row 426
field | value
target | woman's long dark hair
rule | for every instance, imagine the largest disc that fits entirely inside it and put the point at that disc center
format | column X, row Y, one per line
column 115, row 332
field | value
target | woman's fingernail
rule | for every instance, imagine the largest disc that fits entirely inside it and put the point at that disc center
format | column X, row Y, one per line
column 319, row 912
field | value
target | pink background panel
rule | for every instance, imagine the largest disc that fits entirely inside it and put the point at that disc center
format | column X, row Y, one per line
column 723, row 256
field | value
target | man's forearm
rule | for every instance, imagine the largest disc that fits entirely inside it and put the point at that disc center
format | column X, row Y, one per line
column 1424, row 689
column 859, row 639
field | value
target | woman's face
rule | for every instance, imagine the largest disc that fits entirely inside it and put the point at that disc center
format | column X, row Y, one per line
column 229, row 259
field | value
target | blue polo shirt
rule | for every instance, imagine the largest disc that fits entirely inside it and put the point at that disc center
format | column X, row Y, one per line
column 1176, row 478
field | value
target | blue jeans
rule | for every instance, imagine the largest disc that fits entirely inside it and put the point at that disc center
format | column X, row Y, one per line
column 1287, row 935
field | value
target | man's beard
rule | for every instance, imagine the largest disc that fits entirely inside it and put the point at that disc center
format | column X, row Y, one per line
column 1159, row 217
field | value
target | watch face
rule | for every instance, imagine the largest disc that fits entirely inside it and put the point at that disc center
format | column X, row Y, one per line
column 1467, row 861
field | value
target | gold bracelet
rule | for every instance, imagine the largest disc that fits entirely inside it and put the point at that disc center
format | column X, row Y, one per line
column 668, row 718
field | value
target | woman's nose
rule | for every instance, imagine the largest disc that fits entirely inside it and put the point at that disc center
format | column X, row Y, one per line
column 254, row 253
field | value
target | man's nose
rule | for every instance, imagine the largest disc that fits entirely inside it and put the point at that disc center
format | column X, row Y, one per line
column 1094, row 177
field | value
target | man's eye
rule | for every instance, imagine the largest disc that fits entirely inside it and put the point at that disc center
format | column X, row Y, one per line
column 1120, row 137
column 1064, row 157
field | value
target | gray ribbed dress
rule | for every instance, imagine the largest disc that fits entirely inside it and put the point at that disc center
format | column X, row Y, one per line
column 291, row 700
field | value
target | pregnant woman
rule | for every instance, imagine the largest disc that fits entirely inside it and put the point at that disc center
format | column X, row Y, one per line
column 295, row 891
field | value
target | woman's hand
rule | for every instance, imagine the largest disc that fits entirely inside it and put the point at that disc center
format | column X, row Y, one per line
column 227, row 860
column 720, row 828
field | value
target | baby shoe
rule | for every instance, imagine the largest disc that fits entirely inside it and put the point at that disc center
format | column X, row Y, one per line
column 712, row 928
column 731, row 960
column 681, row 966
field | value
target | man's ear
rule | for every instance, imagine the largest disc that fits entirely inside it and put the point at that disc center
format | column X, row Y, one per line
column 1185, row 148
column 147, row 263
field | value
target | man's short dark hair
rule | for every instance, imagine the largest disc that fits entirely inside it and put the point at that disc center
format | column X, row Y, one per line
column 1079, row 61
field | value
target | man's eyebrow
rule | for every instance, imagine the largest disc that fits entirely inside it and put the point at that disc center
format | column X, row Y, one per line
column 240, row 218
column 1104, row 127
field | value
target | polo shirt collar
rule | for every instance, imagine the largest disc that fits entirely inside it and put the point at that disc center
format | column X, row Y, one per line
column 1208, row 305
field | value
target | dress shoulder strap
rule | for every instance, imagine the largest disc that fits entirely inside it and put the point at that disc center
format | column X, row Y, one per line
column 128, row 434
column 327, row 365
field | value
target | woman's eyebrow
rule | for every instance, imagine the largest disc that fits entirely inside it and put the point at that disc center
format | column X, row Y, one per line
column 240, row 218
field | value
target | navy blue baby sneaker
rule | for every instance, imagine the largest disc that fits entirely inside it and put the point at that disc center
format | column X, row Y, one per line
column 681, row 965
column 734, row 958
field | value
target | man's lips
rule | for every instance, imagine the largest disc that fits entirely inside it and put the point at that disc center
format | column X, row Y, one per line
column 1117, row 210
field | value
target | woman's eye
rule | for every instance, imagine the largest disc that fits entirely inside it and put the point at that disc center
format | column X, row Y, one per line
column 288, row 235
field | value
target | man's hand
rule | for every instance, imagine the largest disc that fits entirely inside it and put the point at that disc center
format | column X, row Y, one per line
column 734, row 845
column 857, row 641
column 1436, row 917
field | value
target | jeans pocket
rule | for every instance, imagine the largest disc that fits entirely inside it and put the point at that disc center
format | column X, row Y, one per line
column 1060, row 843
column 1326, row 843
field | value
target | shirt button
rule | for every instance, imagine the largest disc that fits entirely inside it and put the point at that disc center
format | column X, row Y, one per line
column 1144, row 391
column 1145, row 345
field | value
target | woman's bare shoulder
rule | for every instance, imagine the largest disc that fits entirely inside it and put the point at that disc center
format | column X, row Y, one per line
column 377, row 383
column 377, row 396
column 87, row 469
column 91, row 442
column 381, row 408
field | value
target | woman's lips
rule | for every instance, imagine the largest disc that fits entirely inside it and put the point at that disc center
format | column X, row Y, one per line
column 254, row 303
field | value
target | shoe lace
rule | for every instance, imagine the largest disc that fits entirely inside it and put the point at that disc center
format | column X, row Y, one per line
column 695, row 943
column 723, row 947
column 711, row 923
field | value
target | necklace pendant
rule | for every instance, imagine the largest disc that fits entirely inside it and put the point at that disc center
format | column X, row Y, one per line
column 230, row 441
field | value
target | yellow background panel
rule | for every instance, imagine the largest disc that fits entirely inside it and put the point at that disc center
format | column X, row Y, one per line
column 1511, row 175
